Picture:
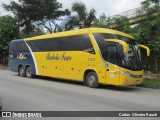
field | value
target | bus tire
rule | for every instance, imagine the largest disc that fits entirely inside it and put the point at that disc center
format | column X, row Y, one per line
column 29, row 72
column 92, row 80
column 21, row 72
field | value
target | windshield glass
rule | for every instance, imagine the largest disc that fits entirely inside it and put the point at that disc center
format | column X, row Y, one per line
column 131, row 60
column 115, row 55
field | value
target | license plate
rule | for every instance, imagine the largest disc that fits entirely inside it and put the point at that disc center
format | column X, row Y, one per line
column 138, row 81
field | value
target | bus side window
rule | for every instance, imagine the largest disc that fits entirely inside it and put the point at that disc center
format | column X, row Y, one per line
column 18, row 46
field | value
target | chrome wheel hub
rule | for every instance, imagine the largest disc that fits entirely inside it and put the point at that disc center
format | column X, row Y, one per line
column 92, row 80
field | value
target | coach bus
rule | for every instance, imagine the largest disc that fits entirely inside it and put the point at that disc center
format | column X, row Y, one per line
column 92, row 55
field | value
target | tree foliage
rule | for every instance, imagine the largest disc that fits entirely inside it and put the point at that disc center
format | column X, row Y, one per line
column 102, row 21
column 37, row 13
column 9, row 30
column 82, row 19
column 120, row 23
column 35, row 32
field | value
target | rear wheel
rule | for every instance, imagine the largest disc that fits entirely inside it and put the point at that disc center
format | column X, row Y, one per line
column 29, row 72
column 21, row 72
column 92, row 80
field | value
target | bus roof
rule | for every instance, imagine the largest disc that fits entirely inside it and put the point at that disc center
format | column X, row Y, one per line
column 78, row 32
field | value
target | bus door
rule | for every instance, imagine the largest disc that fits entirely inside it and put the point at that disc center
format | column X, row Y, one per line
column 112, row 63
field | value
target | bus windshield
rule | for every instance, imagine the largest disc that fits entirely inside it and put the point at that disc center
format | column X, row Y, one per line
column 113, row 52
column 132, row 59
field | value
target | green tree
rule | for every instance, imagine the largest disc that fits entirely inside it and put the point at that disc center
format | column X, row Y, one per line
column 37, row 13
column 120, row 23
column 82, row 19
column 35, row 32
column 9, row 30
column 102, row 21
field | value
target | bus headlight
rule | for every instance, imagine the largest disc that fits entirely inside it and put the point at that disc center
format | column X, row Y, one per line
column 127, row 74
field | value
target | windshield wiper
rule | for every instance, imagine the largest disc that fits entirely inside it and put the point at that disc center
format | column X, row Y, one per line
column 136, row 58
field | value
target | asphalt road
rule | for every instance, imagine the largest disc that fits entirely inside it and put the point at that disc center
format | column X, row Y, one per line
column 46, row 94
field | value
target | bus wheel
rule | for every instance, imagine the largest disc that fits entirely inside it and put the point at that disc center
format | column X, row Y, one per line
column 92, row 80
column 29, row 72
column 21, row 71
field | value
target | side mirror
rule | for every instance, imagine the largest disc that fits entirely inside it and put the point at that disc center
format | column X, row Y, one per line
column 123, row 43
column 145, row 48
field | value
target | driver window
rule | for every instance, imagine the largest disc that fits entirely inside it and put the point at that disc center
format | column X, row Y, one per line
column 112, row 54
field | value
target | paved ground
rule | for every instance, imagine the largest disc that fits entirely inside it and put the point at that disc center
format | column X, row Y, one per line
column 3, row 67
column 46, row 94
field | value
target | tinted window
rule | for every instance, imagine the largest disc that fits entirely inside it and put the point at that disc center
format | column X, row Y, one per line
column 99, row 37
column 112, row 54
column 126, row 39
column 18, row 46
column 69, row 43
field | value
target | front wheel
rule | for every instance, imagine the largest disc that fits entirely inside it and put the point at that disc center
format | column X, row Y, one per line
column 29, row 72
column 92, row 80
